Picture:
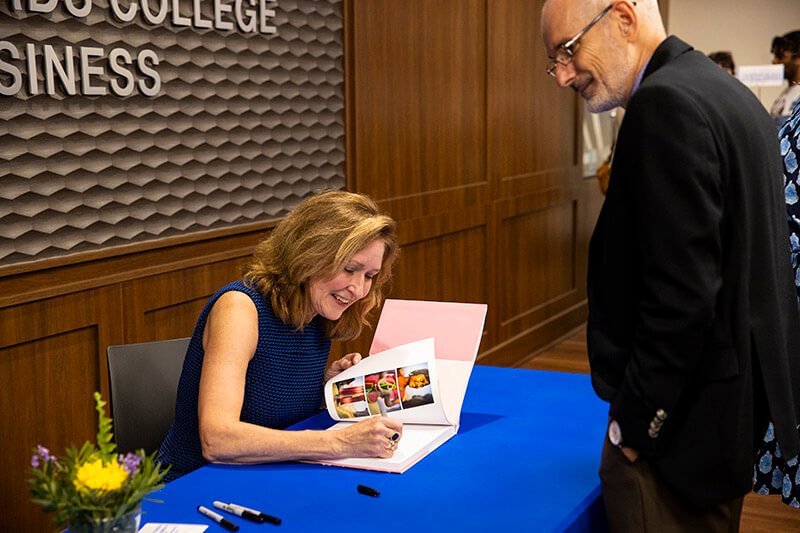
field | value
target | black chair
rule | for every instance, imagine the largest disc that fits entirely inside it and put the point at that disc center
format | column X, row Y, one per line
column 144, row 382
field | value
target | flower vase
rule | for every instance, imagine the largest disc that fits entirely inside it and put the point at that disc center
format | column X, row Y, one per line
column 127, row 523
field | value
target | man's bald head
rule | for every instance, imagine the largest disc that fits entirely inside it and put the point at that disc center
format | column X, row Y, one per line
column 588, row 8
column 602, row 63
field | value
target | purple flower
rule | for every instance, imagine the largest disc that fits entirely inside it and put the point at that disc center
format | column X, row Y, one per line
column 42, row 454
column 130, row 462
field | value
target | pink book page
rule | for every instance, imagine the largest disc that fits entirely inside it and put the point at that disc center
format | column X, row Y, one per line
column 456, row 327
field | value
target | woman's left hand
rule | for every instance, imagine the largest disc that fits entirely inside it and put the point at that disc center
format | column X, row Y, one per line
column 342, row 364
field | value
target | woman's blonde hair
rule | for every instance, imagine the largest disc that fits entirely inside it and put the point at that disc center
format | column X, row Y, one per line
column 316, row 240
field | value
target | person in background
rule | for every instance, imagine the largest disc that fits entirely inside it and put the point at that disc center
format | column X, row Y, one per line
column 256, row 361
column 775, row 473
column 693, row 331
column 724, row 60
column 786, row 51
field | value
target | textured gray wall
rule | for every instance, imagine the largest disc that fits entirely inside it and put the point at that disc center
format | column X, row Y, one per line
column 244, row 126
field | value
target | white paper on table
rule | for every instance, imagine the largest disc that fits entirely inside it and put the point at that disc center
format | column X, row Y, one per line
column 173, row 528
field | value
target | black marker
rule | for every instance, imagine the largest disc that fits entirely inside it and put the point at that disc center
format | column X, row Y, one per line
column 249, row 514
column 369, row 491
column 218, row 518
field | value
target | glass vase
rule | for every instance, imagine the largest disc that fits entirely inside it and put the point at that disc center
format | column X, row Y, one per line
column 127, row 523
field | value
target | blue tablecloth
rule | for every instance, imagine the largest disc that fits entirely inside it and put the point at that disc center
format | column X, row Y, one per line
column 525, row 459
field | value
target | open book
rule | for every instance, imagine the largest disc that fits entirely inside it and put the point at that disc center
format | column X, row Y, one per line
column 418, row 370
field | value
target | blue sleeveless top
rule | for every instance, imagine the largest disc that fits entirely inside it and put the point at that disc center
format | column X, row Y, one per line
column 283, row 384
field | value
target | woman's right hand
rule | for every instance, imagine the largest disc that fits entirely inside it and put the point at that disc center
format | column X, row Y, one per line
column 369, row 438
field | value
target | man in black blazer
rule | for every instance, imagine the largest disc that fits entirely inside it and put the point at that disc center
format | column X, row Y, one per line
column 693, row 329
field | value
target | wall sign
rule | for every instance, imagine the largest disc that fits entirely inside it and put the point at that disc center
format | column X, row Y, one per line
column 186, row 116
column 97, row 71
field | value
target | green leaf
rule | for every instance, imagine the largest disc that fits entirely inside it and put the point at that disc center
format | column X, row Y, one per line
column 104, row 434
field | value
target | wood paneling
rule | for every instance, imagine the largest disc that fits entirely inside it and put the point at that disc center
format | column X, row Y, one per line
column 33, row 415
column 444, row 268
column 532, row 133
column 25, row 283
column 540, row 260
column 416, row 76
column 167, row 306
column 52, row 357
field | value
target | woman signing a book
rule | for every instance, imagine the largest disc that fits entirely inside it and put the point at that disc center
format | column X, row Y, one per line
column 256, row 361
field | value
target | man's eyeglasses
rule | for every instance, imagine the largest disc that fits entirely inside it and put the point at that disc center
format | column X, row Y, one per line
column 566, row 52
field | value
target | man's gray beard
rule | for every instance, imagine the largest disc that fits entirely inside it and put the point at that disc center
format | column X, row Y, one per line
column 602, row 107
column 617, row 96
column 612, row 102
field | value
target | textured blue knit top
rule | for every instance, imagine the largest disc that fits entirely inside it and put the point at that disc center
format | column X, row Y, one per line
column 283, row 384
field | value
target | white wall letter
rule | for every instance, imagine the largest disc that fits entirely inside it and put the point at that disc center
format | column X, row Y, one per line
column 147, row 71
column 199, row 22
column 37, row 6
column 177, row 18
column 220, row 7
column 123, row 16
column 33, row 76
column 16, row 75
column 248, row 25
column 88, row 70
column 148, row 15
column 114, row 65
column 266, row 14
column 66, row 73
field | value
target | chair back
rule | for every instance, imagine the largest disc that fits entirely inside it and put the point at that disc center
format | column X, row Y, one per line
column 144, row 383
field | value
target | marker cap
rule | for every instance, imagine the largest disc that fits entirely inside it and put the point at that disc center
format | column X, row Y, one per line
column 369, row 491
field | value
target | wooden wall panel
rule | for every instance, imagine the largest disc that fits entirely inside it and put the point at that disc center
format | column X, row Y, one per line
column 444, row 268
column 62, row 373
column 166, row 306
column 532, row 133
column 416, row 95
column 52, row 357
column 174, row 321
column 540, row 265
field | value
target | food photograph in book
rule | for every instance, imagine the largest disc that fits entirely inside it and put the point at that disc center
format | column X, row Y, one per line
column 414, row 386
column 349, row 398
column 382, row 394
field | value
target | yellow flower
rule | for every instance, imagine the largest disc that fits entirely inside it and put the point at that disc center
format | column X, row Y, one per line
column 94, row 475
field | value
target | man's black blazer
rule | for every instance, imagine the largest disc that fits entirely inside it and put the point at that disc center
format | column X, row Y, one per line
column 689, row 280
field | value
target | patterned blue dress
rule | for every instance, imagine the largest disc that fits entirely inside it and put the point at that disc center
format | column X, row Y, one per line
column 790, row 150
column 283, row 382
column 775, row 474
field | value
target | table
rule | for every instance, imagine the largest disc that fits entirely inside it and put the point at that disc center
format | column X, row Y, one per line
column 525, row 459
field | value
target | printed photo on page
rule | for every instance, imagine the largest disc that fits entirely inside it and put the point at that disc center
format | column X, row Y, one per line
column 400, row 383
